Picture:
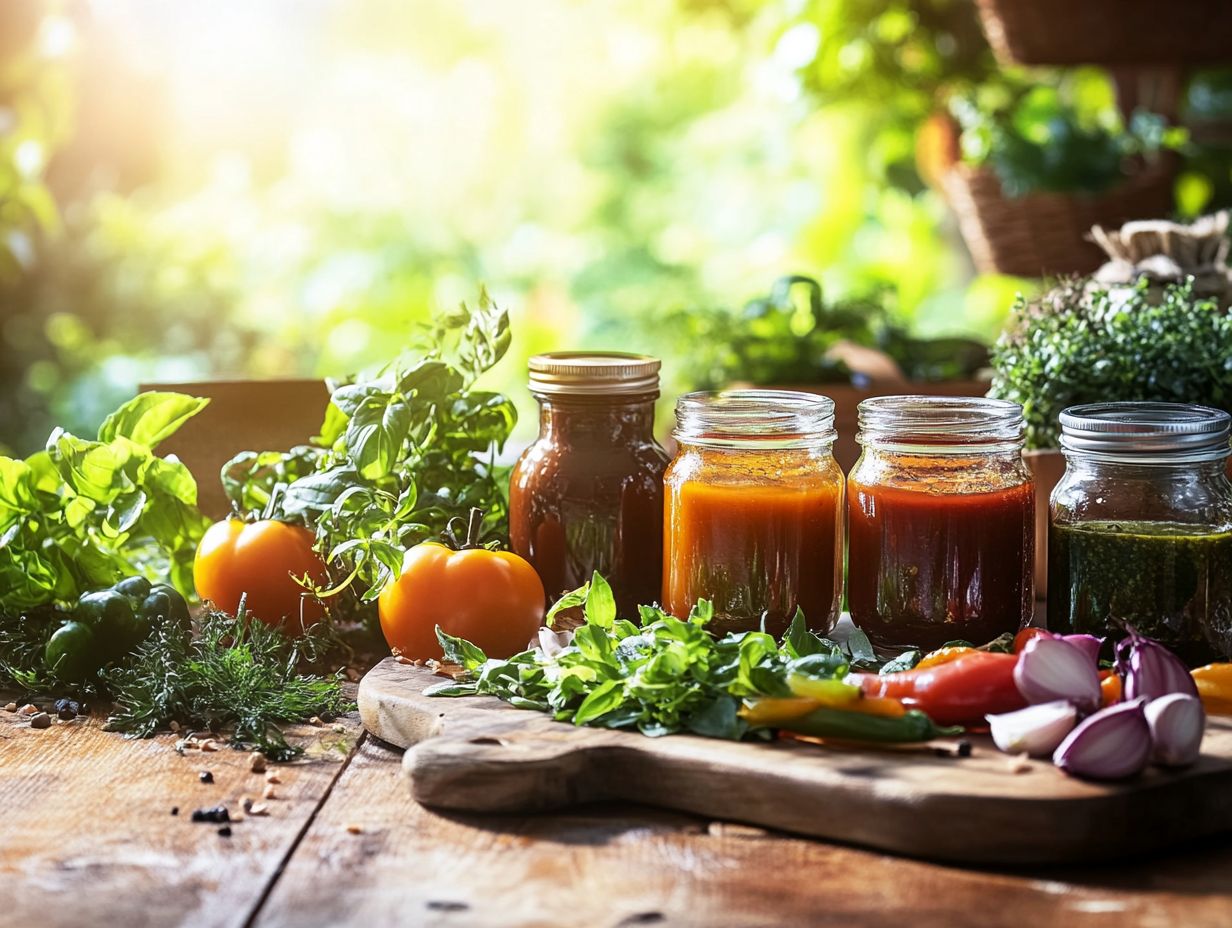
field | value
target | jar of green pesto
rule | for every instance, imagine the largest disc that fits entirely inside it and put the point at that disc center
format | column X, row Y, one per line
column 1140, row 528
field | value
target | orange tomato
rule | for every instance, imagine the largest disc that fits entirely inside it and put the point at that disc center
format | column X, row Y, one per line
column 260, row 561
column 493, row 599
column 1031, row 631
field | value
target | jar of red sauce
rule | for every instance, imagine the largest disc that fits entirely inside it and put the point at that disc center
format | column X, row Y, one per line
column 588, row 494
column 940, row 514
column 753, row 517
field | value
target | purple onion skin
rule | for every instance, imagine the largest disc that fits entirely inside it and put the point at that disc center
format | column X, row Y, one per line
column 1088, row 644
column 1112, row 744
column 1051, row 669
column 1150, row 670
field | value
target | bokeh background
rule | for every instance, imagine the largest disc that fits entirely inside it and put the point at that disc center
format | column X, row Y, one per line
column 283, row 187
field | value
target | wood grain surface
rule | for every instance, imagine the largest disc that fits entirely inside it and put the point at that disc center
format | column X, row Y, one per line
column 478, row 754
column 86, row 839
column 86, row 829
column 614, row 866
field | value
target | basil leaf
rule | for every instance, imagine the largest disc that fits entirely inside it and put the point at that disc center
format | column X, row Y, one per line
column 570, row 600
column 460, row 651
column 904, row 661
column 600, row 603
column 375, row 434
column 860, row 648
column 151, row 417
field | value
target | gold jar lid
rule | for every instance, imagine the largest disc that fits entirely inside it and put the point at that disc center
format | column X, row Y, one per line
column 594, row 373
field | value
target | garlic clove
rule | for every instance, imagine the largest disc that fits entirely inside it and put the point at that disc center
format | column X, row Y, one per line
column 1112, row 744
column 1050, row 669
column 1177, row 722
column 1036, row 730
column 1151, row 670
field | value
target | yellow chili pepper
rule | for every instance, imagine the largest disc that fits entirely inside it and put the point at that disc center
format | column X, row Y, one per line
column 1214, row 682
column 771, row 712
column 832, row 693
column 943, row 656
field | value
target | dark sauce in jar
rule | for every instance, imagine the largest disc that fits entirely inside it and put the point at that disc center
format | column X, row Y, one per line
column 925, row 567
column 588, row 494
column 1170, row 581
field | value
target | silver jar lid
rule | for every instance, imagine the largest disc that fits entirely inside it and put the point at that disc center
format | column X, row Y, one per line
column 1181, row 432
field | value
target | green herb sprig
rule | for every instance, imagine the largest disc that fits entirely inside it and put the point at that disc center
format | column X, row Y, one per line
column 659, row 676
column 236, row 674
column 400, row 454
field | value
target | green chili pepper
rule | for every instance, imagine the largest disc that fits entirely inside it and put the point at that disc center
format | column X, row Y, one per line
column 856, row 726
column 107, row 624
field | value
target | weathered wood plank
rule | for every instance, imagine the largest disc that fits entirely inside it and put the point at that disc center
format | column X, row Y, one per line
column 628, row 865
column 86, row 834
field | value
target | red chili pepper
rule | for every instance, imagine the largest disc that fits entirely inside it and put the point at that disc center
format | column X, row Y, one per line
column 958, row 693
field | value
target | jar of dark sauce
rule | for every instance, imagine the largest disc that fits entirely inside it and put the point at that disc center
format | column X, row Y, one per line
column 1140, row 527
column 588, row 494
column 940, row 521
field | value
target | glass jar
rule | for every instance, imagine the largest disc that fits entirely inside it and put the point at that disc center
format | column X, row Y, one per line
column 1140, row 526
column 940, row 521
column 588, row 494
column 753, row 514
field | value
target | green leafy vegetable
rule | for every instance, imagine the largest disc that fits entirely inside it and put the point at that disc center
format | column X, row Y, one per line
column 236, row 674
column 1040, row 137
column 1074, row 346
column 82, row 514
column 400, row 454
column 661, row 676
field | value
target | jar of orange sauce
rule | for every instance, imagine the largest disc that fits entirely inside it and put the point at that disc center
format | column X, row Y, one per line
column 753, row 510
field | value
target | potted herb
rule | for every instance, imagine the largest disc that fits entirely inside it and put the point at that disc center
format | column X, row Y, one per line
column 1083, row 344
column 1040, row 165
column 849, row 349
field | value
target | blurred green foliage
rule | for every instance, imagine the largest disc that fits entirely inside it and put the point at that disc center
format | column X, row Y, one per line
column 303, row 183
column 1064, row 135
column 794, row 336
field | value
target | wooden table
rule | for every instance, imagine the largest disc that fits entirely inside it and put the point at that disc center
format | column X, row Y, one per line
column 86, row 837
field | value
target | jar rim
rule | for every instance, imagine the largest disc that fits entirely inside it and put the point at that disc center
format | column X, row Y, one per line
column 755, row 417
column 941, row 424
column 1146, row 431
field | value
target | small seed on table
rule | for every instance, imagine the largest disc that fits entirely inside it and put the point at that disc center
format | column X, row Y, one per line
column 355, row 829
column 205, row 776
column 28, row 709
column 40, row 720
column 225, row 831
column 256, row 762
column 269, row 792
column 11, row 707
column 272, row 777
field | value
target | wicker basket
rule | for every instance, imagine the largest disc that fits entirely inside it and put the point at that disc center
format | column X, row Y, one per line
column 1109, row 32
column 1044, row 234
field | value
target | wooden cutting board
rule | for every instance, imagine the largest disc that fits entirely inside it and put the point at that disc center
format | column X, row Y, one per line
column 477, row 754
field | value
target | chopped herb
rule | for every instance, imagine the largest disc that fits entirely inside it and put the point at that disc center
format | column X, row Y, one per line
column 660, row 676
column 236, row 673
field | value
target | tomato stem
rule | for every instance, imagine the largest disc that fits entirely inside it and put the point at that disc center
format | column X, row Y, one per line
column 474, row 531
